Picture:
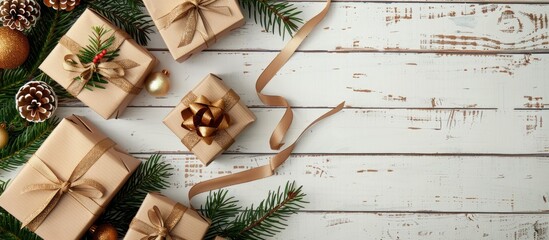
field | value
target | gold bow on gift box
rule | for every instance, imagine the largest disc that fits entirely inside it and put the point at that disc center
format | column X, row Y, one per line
column 189, row 13
column 158, row 229
column 112, row 71
column 81, row 189
column 207, row 120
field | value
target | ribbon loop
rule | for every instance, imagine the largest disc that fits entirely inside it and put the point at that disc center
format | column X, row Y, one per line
column 189, row 13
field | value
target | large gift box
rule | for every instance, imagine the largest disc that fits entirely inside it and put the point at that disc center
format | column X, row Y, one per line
column 124, row 73
column 209, row 118
column 160, row 216
column 190, row 26
column 69, row 181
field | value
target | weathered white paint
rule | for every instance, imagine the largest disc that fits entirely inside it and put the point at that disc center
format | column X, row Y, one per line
column 352, row 131
column 366, row 26
column 383, row 183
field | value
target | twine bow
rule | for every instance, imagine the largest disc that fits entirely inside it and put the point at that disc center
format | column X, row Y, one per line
column 113, row 71
column 160, row 229
column 206, row 118
column 76, row 186
column 188, row 12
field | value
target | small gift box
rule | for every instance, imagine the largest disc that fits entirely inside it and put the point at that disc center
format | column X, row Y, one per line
column 69, row 181
column 209, row 118
column 190, row 26
column 162, row 218
column 99, row 64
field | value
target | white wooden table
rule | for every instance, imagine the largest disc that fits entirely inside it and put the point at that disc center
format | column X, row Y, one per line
column 443, row 135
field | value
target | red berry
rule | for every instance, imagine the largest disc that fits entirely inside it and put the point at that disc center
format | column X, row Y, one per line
column 104, row 51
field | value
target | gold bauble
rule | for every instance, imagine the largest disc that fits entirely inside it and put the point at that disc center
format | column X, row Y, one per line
column 14, row 48
column 4, row 136
column 104, row 231
column 158, row 83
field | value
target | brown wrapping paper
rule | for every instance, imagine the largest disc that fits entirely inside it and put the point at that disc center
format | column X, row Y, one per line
column 221, row 25
column 111, row 101
column 61, row 152
column 213, row 88
column 192, row 226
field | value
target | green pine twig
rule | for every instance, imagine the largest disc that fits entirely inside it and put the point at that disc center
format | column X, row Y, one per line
column 151, row 176
column 274, row 14
column 261, row 222
column 10, row 227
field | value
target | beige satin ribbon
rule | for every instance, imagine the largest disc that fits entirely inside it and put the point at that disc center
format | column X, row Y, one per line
column 113, row 71
column 75, row 186
column 284, row 124
column 220, row 136
column 158, row 229
column 189, row 11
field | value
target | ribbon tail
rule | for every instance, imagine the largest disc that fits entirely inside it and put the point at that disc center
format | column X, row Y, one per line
column 282, row 128
column 259, row 172
column 191, row 21
column 33, row 221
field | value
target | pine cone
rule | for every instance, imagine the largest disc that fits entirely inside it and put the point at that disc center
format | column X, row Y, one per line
column 36, row 101
column 19, row 14
column 67, row 5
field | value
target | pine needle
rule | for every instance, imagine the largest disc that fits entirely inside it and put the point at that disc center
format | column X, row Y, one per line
column 273, row 15
column 151, row 176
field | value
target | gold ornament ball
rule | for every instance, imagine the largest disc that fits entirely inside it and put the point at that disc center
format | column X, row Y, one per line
column 3, row 137
column 104, row 231
column 158, row 83
column 14, row 48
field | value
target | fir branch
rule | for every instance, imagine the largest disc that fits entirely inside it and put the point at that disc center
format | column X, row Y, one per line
column 220, row 209
column 10, row 227
column 128, row 15
column 274, row 14
column 260, row 222
column 24, row 142
column 152, row 176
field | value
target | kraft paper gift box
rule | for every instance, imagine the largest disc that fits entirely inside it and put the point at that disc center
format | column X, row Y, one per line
column 238, row 115
column 178, row 220
column 76, row 165
column 111, row 101
column 184, row 37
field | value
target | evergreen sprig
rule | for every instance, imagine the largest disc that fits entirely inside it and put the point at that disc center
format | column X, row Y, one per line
column 10, row 227
column 260, row 222
column 273, row 15
column 128, row 15
column 151, row 176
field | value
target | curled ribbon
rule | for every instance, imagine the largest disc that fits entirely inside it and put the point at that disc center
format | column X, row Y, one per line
column 188, row 12
column 113, row 71
column 284, row 124
column 159, row 229
column 76, row 186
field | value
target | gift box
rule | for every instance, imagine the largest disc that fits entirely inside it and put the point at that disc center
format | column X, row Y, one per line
column 161, row 215
column 69, row 181
column 190, row 26
column 209, row 118
column 124, row 80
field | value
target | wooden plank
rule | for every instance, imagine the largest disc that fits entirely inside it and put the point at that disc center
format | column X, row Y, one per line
column 424, row 27
column 376, row 80
column 305, row 226
column 383, row 183
column 353, row 131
